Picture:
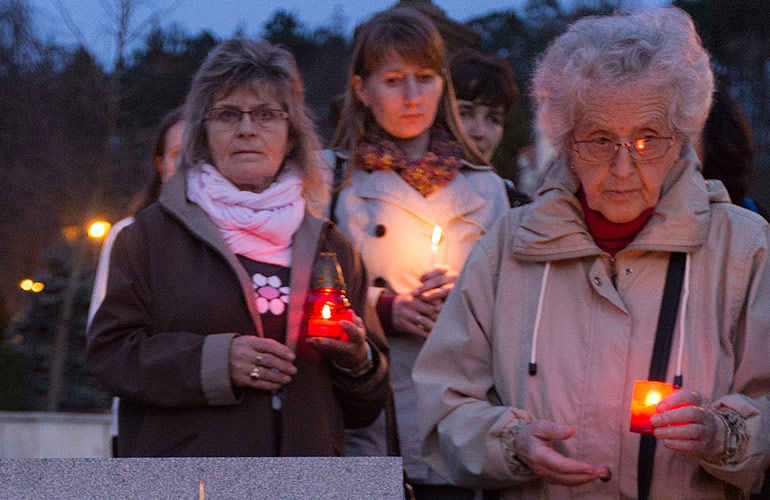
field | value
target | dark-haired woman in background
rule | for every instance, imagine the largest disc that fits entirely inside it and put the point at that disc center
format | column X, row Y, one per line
column 727, row 151
column 165, row 148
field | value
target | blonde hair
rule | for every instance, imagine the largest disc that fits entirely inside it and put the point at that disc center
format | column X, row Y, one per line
column 412, row 36
column 258, row 65
column 659, row 47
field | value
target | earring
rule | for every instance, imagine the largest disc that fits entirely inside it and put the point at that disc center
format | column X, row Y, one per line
column 572, row 166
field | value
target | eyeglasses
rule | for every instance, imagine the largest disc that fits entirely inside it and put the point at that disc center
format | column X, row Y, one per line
column 228, row 118
column 643, row 149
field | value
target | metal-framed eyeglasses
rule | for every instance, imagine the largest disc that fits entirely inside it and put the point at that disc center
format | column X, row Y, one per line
column 642, row 149
column 229, row 118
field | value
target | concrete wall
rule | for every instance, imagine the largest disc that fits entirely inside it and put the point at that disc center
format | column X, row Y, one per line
column 54, row 435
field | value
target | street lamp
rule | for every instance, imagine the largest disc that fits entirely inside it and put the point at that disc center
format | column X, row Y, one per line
column 31, row 286
column 98, row 229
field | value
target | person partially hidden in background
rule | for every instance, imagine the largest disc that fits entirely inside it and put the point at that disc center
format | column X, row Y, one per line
column 486, row 90
column 727, row 151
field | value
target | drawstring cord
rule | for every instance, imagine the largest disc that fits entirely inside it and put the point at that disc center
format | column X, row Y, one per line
column 678, row 378
column 532, row 364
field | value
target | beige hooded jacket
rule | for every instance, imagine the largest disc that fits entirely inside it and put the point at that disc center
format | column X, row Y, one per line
column 595, row 338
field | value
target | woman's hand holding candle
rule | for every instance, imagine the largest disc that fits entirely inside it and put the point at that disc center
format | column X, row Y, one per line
column 534, row 446
column 348, row 354
column 686, row 424
column 416, row 312
column 436, row 285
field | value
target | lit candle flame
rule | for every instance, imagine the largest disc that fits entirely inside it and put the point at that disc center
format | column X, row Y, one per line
column 436, row 236
column 201, row 493
column 434, row 239
column 326, row 312
column 653, row 398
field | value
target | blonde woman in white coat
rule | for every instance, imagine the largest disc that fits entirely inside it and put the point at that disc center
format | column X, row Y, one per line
column 408, row 169
column 621, row 98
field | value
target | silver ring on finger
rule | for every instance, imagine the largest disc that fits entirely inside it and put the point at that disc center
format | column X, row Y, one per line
column 254, row 374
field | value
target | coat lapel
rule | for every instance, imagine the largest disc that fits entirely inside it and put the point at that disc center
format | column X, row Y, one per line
column 174, row 199
column 304, row 249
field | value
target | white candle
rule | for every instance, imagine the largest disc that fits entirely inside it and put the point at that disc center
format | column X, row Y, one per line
column 435, row 238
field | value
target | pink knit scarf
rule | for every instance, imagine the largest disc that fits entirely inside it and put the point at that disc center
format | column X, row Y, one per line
column 259, row 226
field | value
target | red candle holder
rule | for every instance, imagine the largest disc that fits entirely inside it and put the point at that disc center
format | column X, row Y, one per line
column 644, row 403
column 326, row 304
column 324, row 308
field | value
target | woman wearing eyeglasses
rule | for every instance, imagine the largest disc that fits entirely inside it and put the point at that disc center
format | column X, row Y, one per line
column 638, row 269
column 201, row 331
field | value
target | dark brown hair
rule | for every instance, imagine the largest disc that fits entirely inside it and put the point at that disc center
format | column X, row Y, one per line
column 151, row 191
column 483, row 79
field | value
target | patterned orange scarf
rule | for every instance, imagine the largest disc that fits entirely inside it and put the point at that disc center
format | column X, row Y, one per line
column 439, row 165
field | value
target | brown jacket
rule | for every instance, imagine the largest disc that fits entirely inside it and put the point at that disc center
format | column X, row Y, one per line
column 176, row 297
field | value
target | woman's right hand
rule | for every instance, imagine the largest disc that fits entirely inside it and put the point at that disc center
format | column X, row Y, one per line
column 533, row 447
column 260, row 363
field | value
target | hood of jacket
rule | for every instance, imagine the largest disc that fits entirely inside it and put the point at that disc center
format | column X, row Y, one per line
column 553, row 226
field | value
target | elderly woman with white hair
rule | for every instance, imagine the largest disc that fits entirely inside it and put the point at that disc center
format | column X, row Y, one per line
column 639, row 269
column 201, row 331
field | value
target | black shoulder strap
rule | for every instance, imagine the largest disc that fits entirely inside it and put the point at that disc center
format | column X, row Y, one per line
column 339, row 171
column 669, row 307
column 516, row 198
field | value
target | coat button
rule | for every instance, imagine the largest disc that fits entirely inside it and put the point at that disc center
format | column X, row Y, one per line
column 380, row 282
column 379, row 230
column 597, row 281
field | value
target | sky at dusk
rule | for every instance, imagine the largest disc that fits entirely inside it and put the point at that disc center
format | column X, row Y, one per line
column 93, row 18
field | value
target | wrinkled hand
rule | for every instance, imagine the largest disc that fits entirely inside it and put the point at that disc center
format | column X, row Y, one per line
column 533, row 447
column 416, row 311
column 348, row 355
column 271, row 359
column 686, row 424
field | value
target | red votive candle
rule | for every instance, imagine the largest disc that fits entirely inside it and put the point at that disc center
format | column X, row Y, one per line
column 647, row 395
column 324, row 308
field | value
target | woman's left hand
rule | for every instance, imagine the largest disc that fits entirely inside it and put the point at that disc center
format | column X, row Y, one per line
column 686, row 424
column 436, row 285
column 349, row 354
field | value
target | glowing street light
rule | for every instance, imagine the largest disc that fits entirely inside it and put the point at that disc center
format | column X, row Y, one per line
column 31, row 286
column 98, row 229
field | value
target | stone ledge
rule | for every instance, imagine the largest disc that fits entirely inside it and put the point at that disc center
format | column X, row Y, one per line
column 295, row 478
